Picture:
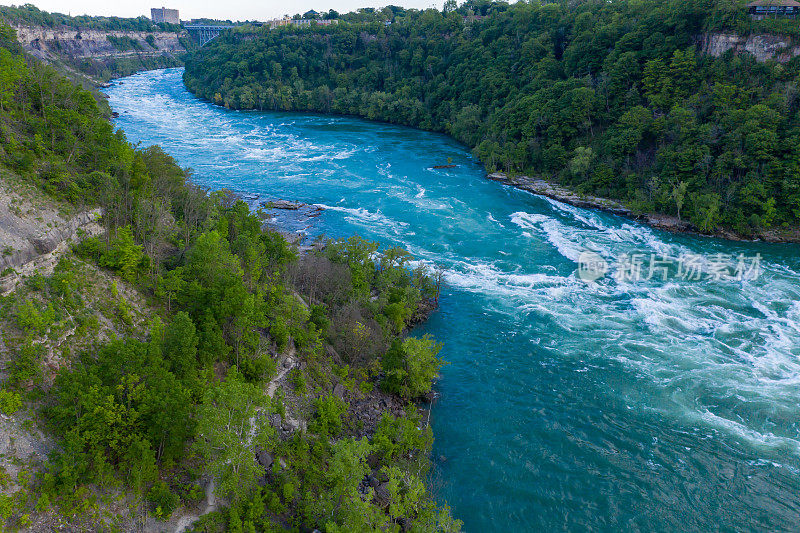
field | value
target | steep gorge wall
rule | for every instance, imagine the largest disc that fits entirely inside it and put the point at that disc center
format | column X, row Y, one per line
column 89, row 58
column 41, row 41
column 35, row 230
column 762, row 46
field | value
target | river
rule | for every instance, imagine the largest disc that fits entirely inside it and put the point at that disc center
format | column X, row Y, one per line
column 668, row 403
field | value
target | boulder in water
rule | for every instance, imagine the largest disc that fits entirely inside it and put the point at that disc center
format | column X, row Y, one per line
column 283, row 204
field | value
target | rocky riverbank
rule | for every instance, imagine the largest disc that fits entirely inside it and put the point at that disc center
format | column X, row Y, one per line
column 660, row 221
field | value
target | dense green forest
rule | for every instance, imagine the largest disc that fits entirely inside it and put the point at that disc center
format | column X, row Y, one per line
column 30, row 15
column 610, row 98
column 167, row 330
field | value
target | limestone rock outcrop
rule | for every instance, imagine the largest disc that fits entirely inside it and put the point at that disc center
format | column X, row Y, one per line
column 762, row 46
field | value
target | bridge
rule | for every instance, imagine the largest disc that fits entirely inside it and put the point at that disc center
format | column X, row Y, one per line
column 205, row 33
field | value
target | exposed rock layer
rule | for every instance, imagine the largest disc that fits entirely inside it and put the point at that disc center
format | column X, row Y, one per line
column 46, row 43
column 762, row 46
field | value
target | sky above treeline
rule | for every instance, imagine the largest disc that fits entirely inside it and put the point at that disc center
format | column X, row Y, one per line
column 217, row 9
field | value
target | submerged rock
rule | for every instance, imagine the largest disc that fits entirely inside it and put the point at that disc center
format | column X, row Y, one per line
column 283, row 204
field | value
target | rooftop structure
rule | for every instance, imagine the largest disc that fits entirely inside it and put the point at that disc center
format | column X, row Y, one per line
column 761, row 9
column 286, row 21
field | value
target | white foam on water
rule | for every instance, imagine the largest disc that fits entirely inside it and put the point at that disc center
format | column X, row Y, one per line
column 328, row 154
column 663, row 317
column 275, row 153
column 752, row 437
column 727, row 337
column 554, row 231
column 368, row 218
column 486, row 279
column 510, row 290
column 626, row 232
column 582, row 215
column 793, row 316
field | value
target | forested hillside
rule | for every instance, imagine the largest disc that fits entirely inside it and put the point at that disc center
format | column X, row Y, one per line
column 189, row 352
column 609, row 98
column 29, row 14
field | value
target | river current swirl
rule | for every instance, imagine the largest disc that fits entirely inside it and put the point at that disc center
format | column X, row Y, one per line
column 645, row 404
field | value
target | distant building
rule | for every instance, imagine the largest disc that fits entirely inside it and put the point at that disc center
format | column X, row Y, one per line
column 761, row 9
column 170, row 16
column 473, row 18
column 286, row 21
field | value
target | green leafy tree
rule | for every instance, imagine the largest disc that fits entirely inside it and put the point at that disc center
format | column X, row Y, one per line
column 679, row 195
column 180, row 345
column 581, row 162
column 125, row 255
column 211, row 346
column 12, row 70
column 171, row 284
column 411, row 366
column 230, row 431
column 345, row 509
column 706, row 211
column 328, row 419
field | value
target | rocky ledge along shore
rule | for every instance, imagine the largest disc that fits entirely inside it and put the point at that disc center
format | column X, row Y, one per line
column 287, row 205
column 298, row 211
column 665, row 222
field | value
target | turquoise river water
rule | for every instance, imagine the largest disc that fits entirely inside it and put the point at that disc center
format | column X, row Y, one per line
column 661, row 404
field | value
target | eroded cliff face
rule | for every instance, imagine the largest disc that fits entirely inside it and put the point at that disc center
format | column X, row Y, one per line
column 763, row 46
column 48, row 44
column 35, row 230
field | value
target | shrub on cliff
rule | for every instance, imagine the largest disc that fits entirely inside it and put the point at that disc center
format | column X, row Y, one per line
column 328, row 419
column 411, row 366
